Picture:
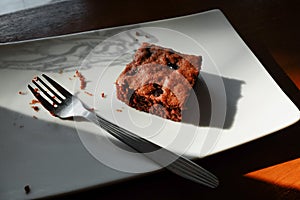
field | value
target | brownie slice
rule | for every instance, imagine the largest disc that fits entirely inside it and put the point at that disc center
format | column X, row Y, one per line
column 158, row 81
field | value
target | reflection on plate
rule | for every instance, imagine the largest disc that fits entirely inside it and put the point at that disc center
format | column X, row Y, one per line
column 105, row 63
column 229, row 95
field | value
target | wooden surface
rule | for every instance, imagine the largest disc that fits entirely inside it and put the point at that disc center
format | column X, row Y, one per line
column 266, row 168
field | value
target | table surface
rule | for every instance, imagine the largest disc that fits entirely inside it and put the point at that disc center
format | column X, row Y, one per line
column 266, row 168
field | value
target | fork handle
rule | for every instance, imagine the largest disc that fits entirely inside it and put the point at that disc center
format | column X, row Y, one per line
column 165, row 158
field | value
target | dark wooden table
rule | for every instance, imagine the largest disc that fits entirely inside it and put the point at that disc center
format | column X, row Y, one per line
column 268, row 168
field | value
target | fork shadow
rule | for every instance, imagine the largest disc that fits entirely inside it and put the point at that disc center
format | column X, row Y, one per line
column 200, row 106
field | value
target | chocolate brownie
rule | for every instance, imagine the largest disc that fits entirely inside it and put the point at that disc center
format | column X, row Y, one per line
column 158, row 81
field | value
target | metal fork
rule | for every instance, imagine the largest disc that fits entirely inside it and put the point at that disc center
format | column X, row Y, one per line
column 67, row 105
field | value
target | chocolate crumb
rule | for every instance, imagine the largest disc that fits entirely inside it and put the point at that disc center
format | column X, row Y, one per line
column 34, row 101
column 35, row 108
column 90, row 94
column 21, row 93
column 103, row 95
column 52, row 113
column 81, row 78
column 27, row 189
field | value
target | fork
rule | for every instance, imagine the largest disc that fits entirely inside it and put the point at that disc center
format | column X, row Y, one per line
column 67, row 105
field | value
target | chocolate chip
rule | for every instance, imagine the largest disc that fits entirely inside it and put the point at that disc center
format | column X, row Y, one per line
column 155, row 85
column 148, row 52
column 27, row 189
column 157, row 92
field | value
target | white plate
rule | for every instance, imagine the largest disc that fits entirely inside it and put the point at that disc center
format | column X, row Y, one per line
column 239, row 102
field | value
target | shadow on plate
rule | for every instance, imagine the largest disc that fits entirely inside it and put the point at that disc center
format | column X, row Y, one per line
column 204, row 101
column 68, row 52
column 40, row 153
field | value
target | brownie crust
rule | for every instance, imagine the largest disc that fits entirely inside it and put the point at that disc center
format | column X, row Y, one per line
column 158, row 81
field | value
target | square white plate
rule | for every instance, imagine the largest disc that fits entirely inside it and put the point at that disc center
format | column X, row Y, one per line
column 235, row 101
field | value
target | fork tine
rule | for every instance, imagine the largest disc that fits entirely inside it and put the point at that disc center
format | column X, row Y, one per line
column 197, row 170
column 43, row 101
column 57, row 86
column 195, row 173
column 44, row 91
column 50, row 89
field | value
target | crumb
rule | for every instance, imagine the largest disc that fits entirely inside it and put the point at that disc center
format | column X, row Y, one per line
column 60, row 71
column 136, row 39
column 119, row 110
column 52, row 113
column 70, row 78
column 34, row 101
column 21, row 93
column 34, row 117
column 103, row 95
column 147, row 36
column 35, row 78
column 137, row 33
column 27, row 189
column 90, row 94
column 21, row 126
column 36, row 89
column 91, row 109
column 81, row 78
column 35, row 108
